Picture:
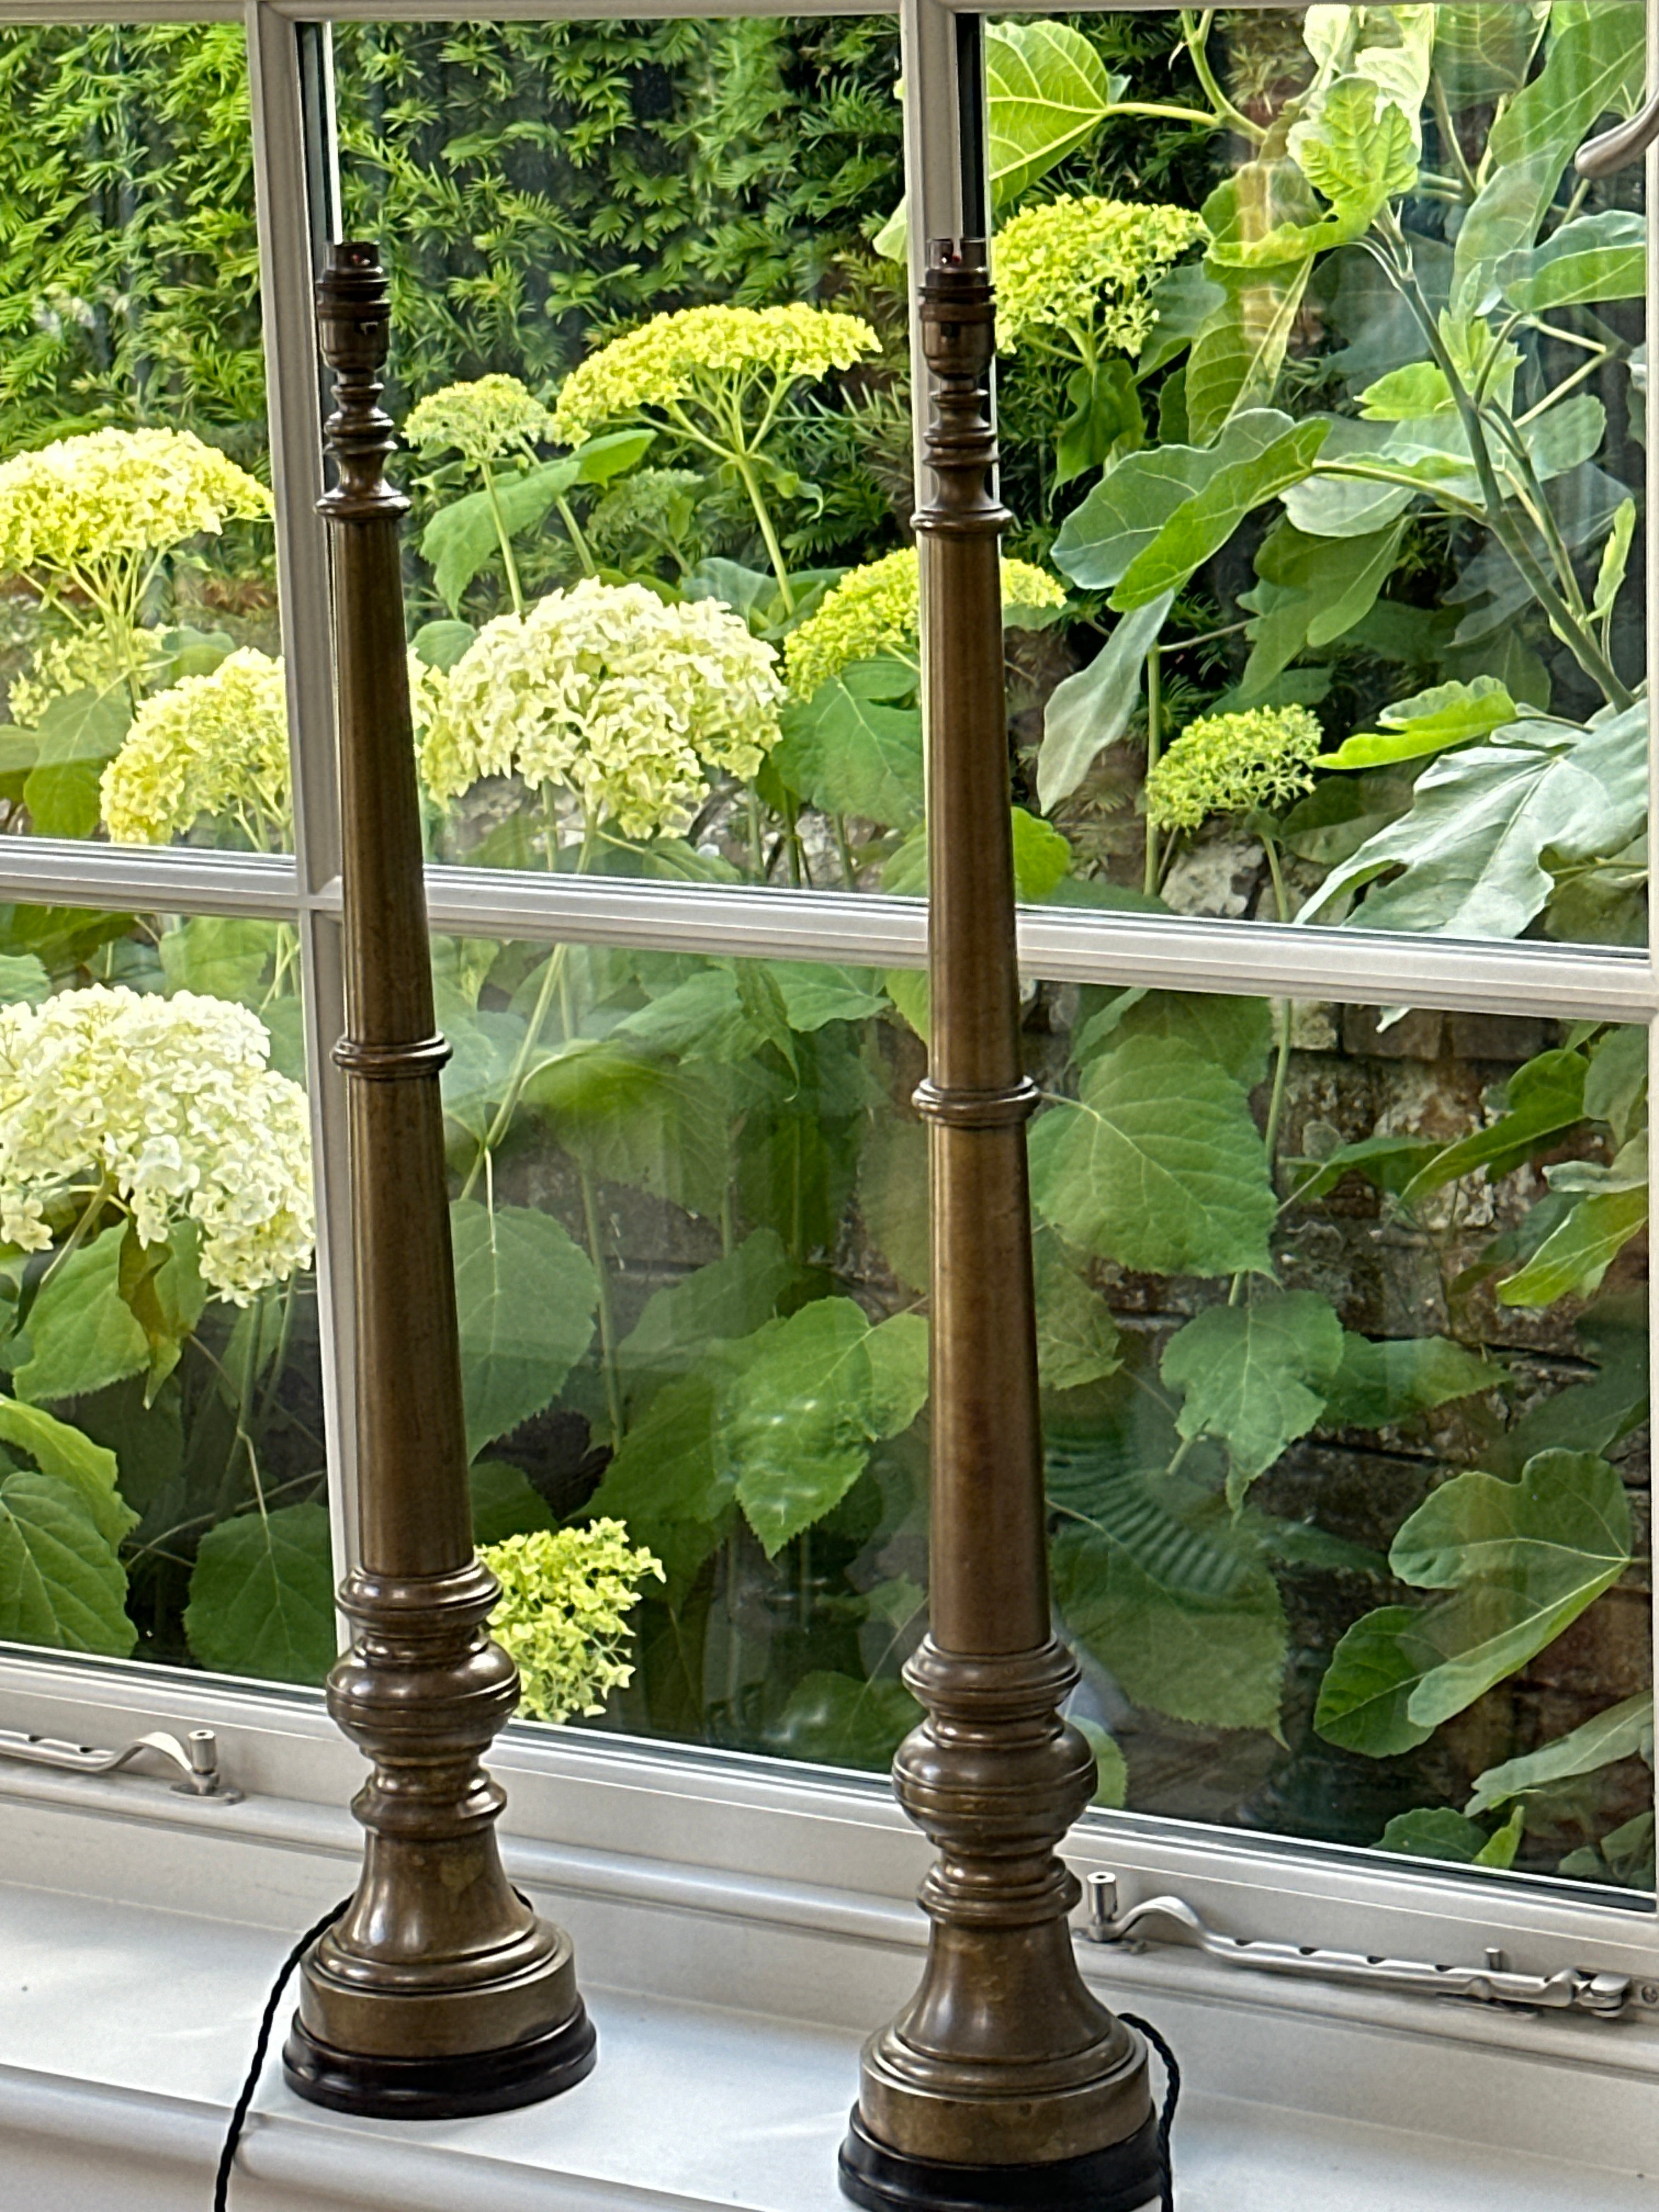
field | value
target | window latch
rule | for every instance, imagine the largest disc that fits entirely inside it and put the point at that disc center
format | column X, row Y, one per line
column 198, row 1766
column 1172, row 1920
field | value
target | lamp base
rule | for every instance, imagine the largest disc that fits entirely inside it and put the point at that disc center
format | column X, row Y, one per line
column 447, row 2088
column 1124, row 2178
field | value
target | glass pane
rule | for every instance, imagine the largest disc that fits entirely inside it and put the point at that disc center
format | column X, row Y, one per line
column 1323, row 387
column 1316, row 1414
column 138, row 636
column 650, row 363
column 163, row 1484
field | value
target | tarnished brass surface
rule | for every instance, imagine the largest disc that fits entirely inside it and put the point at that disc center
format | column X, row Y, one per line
column 1002, row 2058
column 436, row 1964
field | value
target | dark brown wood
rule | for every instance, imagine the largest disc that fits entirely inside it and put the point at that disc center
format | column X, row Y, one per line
column 1002, row 2060
column 439, row 1990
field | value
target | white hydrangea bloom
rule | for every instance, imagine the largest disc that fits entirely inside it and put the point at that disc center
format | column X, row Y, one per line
column 171, row 1102
column 607, row 691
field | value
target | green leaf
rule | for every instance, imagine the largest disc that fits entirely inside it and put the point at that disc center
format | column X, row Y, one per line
column 1388, row 1161
column 1336, row 818
column 1408, row 395
column 1137, row 497
column 61, row 1584
column 1091, row 710
column 1357, row 152
column 220, row 956
column 1234, row 365
column 70, row 1456
column 1598, row 256
column 1184, row 300
column 1437, row 1832
column 1219, row 1665
column 78, row 736
column 731, row 1298
column 1389, row 1379
column 1043, row 858
column 815, row 993
column 839, row 1720
column 1524, row 1560
column 525, row 1298
column 1615, row 557
column 1077, row 1337
column 441, row 644
column 1545, row 1097
column 661, row 1127
column 1625, row 1857
column 1573, row 1258
column 1111, row 1768
column 461, row 539
column 1620, row 1731
column 892, row 1196
column 799, row 1423
column 1255, row 1377
column 1236, row 1032
column 162, row 1288
column 1472, row 846
column 848, row 754
column 601, row 458
column 81, row 1332
column 503, row 1503
column 667, row 1483
column 1047, row 92
column 1448, row 714
column 1312, row 592
column 1158, row 1165
column 262, row 1596
column 23, row 979
column 1616, row 1087
column 1202, row 525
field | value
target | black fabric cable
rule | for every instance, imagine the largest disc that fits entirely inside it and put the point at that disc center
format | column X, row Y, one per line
column 1171, row 2098
column 261, row 2045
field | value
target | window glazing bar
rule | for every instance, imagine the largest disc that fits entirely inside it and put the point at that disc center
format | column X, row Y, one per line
column 148, row 878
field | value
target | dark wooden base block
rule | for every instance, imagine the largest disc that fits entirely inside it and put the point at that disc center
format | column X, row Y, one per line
column 440, row 2088
column 1124, row 2177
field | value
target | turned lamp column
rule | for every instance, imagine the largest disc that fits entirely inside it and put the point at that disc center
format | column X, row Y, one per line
column 1003, row 2083
column 438, row 1992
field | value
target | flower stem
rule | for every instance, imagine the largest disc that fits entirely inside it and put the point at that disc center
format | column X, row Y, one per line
column 584, row 553
column 506, row 543
column 745, row 468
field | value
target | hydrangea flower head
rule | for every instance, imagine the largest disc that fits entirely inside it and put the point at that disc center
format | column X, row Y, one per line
column 484, row 421
column 91, row 499
column 877, row 608
column 680, row 357
column 169, row 1104
column 80, row 661
column 1228, row 763
column 562, row 1615
column 608, row 692
column 211, row 745
column 1084, row 264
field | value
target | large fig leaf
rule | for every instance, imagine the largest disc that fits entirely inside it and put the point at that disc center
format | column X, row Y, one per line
column 1621, row 1731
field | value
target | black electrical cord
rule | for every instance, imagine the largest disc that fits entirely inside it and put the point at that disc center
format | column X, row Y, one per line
column 261, row 2045
column 1171, row 2098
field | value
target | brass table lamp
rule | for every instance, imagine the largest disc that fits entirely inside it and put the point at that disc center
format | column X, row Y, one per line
column 438, row 1992
column 1003, row 2083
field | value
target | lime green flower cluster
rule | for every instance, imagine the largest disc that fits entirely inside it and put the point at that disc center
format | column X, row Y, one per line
column 877, row 608
column 484, row 421
column 80, row 661
column 605, row 691
column 1229, row 763
column 211, row 744
column 702, row 358
column 1085, row 266
column 561, row 1616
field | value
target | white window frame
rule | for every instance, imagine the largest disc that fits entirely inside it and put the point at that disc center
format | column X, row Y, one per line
column 748, row 1839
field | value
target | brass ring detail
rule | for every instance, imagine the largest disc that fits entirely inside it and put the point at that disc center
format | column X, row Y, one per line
column 392, row 1063
column 976, row 1109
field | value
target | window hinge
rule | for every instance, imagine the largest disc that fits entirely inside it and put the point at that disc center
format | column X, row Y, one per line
column 199, row 1766
column 1172, row 1920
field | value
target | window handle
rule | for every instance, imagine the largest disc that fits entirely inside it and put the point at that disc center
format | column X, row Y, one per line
column 1624, row 143
column 198, row 1766
column 1172, row 1920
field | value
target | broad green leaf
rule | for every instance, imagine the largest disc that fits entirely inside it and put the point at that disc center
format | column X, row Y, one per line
column 1615, row 557
column 1312, row 591
column 503, row 1503
column 1481, row 53
column 77, row 736
column 1237, row 1033
column 660, row 1127
column 1158, row 1165
column 1388, row 1379
column 668, row 1482
column 815, row 993
column 1471, row 848
column 441, row 644
column 1437, row 1832
column 1043, row 858
column 1620, row 1731
column 1431, row 722
column 799, row 1422
column 70, row 1456
column 1254, row 1376
column 849, row 755
column 1616, row 1087
column 162, row 1288
column 1201, row 1558
column 1598, row 256
column 1111, row 1768
column 1217, row 1665
column 462, row 538
column 1137, row 497
column 1336, row 818
column 61, row 1584
column 1091, row 710
column 1595, row 1414
column 1234, row 365
column 525, row 1296
column 262, row 1596
column 892, row 1194
column 1047, row 92
column 1202, row 525
column 1357, row 152
column 1545, row 1097
column 731, row 1298
column 1182, row 301
column 1573, row 1258
column 1077, row 1337
column 1388, row 1161
column 1524, row 1558
column 220, row 955
column 600, row 458
column 1408, row 395
column 841, row 1721
column 23, row 979
column 1340, row 500
column 82, row 1333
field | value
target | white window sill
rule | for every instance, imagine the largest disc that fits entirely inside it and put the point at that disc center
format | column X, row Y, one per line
column 140, row 1930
